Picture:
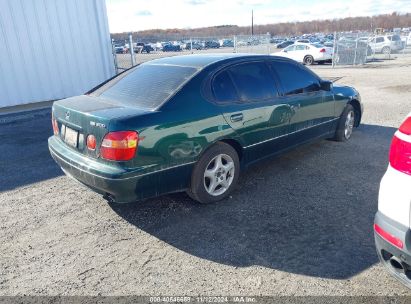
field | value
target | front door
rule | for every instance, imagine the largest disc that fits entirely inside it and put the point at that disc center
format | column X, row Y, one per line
column 312, row 108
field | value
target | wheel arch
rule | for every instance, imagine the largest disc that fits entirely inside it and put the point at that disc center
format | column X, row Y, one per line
column 228, row 141
column 357, row 108
column 236, row 145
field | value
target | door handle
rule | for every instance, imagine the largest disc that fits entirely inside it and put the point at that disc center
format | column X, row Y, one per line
column 236, row 117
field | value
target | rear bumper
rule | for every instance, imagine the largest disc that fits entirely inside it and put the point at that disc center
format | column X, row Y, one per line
column 122, row 185
column 388, row 252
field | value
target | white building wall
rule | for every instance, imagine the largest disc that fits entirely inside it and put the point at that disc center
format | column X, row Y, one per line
column 52, row 49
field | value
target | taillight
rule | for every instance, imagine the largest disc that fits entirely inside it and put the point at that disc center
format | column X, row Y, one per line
column 322, row 51
column 406, row 126
column 400, row 151
column 388, row 237
column 91, row 142
column 55, row 126
column 400, row 155
column 120, row 146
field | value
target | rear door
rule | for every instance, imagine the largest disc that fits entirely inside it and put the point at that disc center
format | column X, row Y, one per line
column 247, row 95
column 312, row 108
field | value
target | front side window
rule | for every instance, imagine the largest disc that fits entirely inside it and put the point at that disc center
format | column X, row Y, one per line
column 380, row 39
column 294, row 79
column 253, row 81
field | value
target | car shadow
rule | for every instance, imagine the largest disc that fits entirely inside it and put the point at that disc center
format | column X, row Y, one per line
column 24, row 155
column 308, row 212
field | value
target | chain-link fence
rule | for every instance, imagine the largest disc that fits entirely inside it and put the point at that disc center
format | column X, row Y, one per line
column 362, row 47
column 348, row 48
column 128, row 53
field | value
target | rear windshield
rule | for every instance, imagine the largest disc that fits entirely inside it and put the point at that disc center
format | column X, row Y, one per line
column 147, row 86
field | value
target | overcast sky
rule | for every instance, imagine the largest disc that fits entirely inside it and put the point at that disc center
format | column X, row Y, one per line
column 136, row 15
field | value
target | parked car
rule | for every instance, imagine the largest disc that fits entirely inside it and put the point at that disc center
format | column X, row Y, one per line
column 171, row 48
column 307, row 53
column 211, row 44
column 303, row 41
column 142, row 47
column 228, row 43
column 211, row 117
column 386, row 44
column 328, row 43
column 254, row 41
column 392, row 221
column 119, row 49
column 284, row 44
column 276, row 40
column 194, row 46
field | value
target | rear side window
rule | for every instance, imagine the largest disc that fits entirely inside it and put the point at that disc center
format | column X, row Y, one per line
column 295, row 80
column 380, row 39
column 223, row 88
column 253, row 81
column 147, row 86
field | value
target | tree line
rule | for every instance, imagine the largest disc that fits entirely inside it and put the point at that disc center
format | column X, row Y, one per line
column 386, row 21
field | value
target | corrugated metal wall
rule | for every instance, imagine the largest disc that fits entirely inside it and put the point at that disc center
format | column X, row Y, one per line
column 51, row 49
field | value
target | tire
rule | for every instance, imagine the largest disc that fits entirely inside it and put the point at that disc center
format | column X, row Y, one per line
column 346, row 124
column 308, row 60
column 386, row 50
column 225, row 173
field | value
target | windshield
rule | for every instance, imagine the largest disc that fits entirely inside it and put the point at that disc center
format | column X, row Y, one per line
column 147, row 86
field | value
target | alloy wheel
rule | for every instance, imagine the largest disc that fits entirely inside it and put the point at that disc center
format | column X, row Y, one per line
column 219, row 174
column 349, row 124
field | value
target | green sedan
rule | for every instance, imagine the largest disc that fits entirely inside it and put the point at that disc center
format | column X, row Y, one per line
column 193, row 123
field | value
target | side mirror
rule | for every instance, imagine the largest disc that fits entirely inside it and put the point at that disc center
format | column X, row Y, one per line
column 326, row 85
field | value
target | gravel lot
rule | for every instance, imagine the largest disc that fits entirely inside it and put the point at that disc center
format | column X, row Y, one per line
column 299, row 224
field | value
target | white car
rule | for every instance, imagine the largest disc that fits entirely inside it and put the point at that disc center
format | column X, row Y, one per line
column 392, row 222
column 307, row 53
column 386, row 44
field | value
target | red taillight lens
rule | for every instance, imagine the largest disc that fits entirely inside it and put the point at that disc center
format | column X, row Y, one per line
column 55, row 126
column 406, row 126
column 91, row 142
column 400, row 155
column 389, row 237
column 322, row 51
column 119, row 146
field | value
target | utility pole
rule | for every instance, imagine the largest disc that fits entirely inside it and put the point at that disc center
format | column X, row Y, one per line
column 252, row 22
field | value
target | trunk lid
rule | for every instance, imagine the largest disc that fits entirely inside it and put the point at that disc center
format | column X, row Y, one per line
column 80, row 116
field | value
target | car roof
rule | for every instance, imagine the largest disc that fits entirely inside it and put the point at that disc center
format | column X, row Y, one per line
column 200, row 61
